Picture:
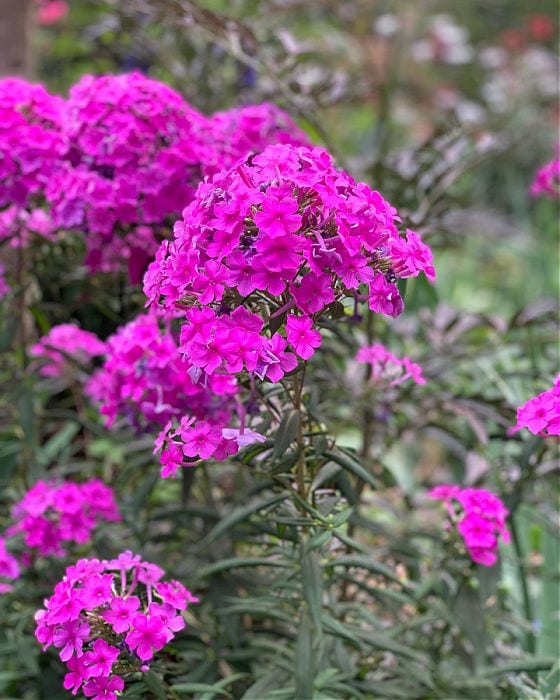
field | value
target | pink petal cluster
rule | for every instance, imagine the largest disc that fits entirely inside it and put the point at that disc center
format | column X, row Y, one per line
column 541, row 414
column 31, row 140
column 52, row 515
column 145, row 380
column 547, row 181
column 133, row 159
column 264, row 251
column 108, row 618
column 387, row 368
column 51, row 11
column 63, row 345
column 480, row 518
column 234, row 134
column 19, row 226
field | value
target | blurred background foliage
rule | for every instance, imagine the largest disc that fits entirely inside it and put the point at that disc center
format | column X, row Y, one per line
column 449, row 109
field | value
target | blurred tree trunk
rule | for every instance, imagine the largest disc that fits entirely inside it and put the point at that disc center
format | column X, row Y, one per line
column 15, row 38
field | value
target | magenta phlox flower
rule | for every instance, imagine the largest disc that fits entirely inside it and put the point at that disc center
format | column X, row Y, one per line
column 301, row 336
column 386, row 368
column 71, row 638
column 172, row 622
column 146, row 636
column 547, row 181
column 103, row 688
column 285, row 236
column 51, row 516
column 65, row 347
column 120, row 612
column 541, row 414
column 111, row 631
column 100, row 658
column 480, row 518
column 77, row 675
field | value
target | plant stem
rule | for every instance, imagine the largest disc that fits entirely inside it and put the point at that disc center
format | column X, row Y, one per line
column 527, row 605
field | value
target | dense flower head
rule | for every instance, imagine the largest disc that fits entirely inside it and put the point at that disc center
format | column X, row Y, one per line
column 541, row 414
column 282, row 232
column 133, row 159
column 107, row 618
column 479, row 516
column 145, row 380
column 267, row 249
column 31, row 140
column 387, row 368
column 547, row 181
column 65, row 346
column 237, row 132
column 53, row 515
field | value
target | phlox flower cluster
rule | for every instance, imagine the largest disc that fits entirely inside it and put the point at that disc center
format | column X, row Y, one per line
column 264, row 251
column 63, row 347
column 53, row 515
column 541, row 414
column 51, row 11
column 237, row 132
column 479, row 516
column 108, row 618
column 145, row 380
column 133, row 159
column 547, row 181
column 31, row 141
column 387, row 368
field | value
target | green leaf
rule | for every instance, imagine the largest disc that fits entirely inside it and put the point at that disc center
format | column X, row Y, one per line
column 530, row 663
column 303, row 660
column 350, row 464
column 286, row 433
column 312, row 581
column 369, row 564
column 239, row 514
column 236, row 563
column 154, row 683
column 57, row 443
column 209, row 691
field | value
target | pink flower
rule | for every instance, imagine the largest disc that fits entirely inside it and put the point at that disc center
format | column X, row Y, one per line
column 278, row 215
column 480, row 521
column 541, row 414
column 71, row 638
column 146, row 636
column 301, row 336
column 100, row 658
column 77, row 675
column 103, row 688
column 120, row 612
column 384, row 297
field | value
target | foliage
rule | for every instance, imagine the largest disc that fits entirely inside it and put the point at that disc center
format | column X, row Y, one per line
column 322, row 567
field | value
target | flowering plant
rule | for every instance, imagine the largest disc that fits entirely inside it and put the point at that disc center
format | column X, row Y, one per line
column 547, row 180
column 132, row 159
column 52, row 515
column 145, row 380
column 479, row 516
column 541, row 414
column 63, row 343
column 266, row 251
column 386, row 367
column 108, row 618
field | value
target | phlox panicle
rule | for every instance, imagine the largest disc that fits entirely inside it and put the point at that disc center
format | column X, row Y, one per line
column 480, row 518
column 64, row 348
column 541, row 414
column 108, row 618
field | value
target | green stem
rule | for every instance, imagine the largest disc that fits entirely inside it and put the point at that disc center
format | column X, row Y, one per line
column 527, row 606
